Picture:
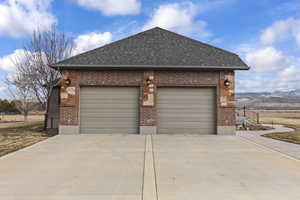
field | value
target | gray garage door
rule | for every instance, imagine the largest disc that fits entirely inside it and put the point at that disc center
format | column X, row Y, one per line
column 186, row 110
column 108, row 110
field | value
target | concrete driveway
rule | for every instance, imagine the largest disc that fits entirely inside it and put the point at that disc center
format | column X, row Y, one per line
column 164, row 167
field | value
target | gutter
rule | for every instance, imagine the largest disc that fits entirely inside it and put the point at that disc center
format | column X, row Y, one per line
column 80, row 66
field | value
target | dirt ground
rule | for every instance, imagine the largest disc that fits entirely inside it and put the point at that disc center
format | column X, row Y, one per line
column 19, row 135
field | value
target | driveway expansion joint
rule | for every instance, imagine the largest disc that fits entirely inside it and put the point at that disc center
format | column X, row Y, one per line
column 149, row 182
column 154, row 167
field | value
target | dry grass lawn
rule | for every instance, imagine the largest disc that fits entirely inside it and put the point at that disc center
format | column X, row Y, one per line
column 18, row 136
column 287, row 118
column 20, row 118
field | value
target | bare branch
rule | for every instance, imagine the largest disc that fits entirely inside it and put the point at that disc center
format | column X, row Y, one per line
column 40, row 51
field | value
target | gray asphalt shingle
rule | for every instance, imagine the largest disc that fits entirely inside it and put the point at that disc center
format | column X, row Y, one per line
column 156, row 48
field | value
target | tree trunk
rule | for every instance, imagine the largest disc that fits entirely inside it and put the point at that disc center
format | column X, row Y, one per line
column 46, row 116
column 47, row 107
column 25, row 115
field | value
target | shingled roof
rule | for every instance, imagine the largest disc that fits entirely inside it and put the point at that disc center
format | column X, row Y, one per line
column 155, row 48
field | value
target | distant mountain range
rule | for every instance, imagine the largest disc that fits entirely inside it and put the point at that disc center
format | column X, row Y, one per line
column 282, row 99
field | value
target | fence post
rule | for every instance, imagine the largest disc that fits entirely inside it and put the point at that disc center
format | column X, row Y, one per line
column 257, row 117
column 244, row 111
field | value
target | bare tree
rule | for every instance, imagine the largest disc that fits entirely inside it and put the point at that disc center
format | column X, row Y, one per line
column 19, row 88
column 42, row 50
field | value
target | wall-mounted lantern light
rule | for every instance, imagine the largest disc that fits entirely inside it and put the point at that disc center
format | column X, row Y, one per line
column 67, row 82
column 226, row 82
column 148, row 81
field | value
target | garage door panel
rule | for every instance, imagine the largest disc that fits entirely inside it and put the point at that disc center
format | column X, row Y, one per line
column 167, row 102
column 165, row 123
column 206, row 91
column 115, row 129
column 201, row 95
column 186, row 110
column 186, row 124
column 102, row 120
column 108, row 110
column 187, row 107
column 106, row 91
column 188, row 118
column 107, row 126
column 110, row 107
column 192, row 99
column 129, row 120
column 105, row 103
column 110, row 116
column 110, row 131
column 113, row 112
column 186, row 113
column 105, row 100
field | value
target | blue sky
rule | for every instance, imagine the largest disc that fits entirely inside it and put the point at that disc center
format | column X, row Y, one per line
column 265, row 33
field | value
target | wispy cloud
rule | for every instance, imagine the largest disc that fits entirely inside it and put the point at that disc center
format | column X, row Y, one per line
column 265, row 55
column 112, row 7
column 179, row 17
column 86, row 42
column 22, row 17
column 281, row 31
column 8, row 62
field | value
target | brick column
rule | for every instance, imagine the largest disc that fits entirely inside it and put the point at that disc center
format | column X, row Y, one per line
column 69, row 123
column 148, row 104
column 226, row 104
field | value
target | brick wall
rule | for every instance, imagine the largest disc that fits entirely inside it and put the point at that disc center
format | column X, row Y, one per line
column 186, row 78
column 69, row 110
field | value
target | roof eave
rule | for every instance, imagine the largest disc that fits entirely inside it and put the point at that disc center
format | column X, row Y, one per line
column 79, row 66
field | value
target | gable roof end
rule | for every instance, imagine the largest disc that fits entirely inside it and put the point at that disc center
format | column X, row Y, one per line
column 155, row 48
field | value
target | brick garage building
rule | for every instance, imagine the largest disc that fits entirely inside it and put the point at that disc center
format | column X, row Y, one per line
column 154, row 82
